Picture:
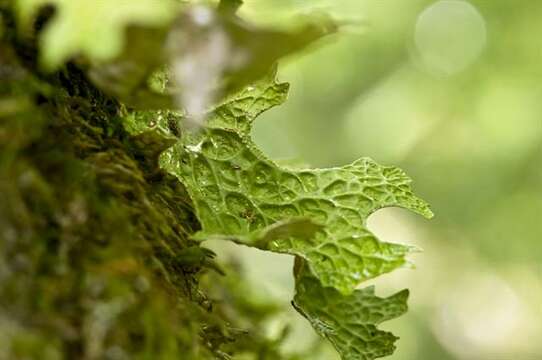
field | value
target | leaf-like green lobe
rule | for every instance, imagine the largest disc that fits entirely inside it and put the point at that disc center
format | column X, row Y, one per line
column 349, row 322
column 238, row 191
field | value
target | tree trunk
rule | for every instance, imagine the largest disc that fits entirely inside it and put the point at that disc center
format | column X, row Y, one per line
column 90, row 227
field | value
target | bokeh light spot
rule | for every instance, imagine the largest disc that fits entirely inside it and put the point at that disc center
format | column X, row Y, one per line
column 449, row 36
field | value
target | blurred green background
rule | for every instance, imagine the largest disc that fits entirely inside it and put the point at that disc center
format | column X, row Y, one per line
column 450, row 91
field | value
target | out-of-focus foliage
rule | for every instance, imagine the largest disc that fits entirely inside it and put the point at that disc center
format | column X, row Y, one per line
column 92, row 28
column 129, row 43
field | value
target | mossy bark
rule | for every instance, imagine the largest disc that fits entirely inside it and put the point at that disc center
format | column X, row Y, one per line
column 90, row 227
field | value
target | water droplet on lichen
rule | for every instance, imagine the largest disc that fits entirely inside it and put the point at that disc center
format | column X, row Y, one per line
column 195, row 148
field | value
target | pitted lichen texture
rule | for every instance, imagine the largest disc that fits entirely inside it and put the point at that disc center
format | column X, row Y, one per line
column 349, row 322
column 238, row 192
